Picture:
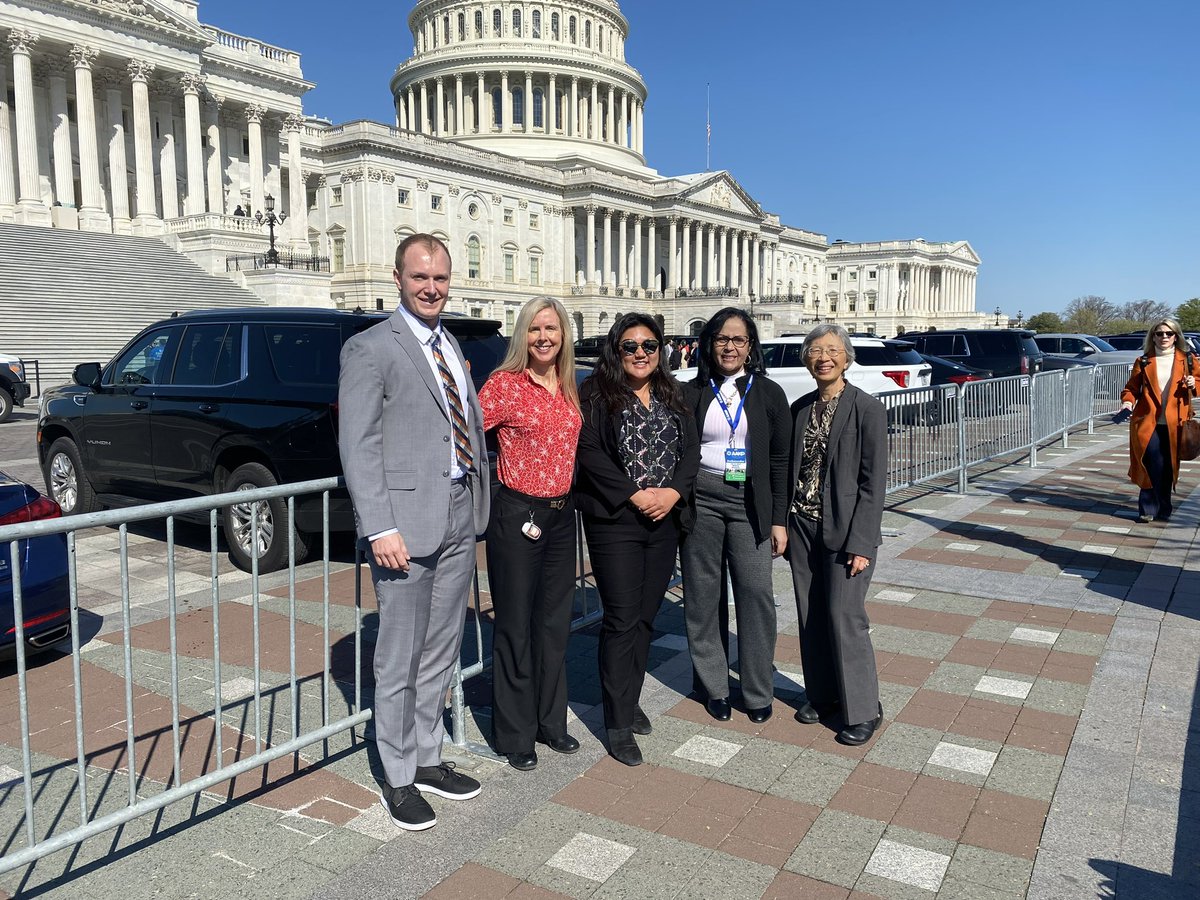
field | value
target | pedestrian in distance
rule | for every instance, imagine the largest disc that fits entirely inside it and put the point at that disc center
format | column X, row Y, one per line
column 839, row 479
column 740, row 525
column 638, row 456
column 532, row 404
column 1157, row 401
column 411, row 444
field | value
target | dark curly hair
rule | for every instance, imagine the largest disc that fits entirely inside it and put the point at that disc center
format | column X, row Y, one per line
column 755, row 365
column 608, row 379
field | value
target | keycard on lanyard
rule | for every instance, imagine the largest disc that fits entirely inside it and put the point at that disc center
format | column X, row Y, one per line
column 735, row 464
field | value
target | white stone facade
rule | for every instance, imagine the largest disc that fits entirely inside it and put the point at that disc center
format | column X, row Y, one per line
column 518, row 139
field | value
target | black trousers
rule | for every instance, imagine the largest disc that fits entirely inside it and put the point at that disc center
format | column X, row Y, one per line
column 632, row 559
column 531, row 584
column 1155, row 501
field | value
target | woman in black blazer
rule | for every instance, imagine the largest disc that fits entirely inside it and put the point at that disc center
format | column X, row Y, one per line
column 839, row 480
column 745, row 432
column 637, row 456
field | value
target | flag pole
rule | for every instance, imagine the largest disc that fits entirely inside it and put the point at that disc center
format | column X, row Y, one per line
column 708, row 128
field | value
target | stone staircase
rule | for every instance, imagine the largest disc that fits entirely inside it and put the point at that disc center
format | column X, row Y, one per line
column 68, row 297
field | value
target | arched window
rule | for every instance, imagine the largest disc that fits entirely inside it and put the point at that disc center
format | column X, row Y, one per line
column 537, row 24
column 587, row 33
column 497, row 23
column 554, row 26
column 462, row 26
column 600, row 38
column 518, row 106
column 571, row 32
column 473, row 257
column 559, row 98
column 791, row 288
column 516, row 29
column 539, row 96
column 445, row 29
column 478, row 24
column 433, row 27
column 497, row 107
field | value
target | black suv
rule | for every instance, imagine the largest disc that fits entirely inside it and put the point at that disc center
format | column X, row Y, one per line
column 1007, row 351
column 14, row 389
column 215, row 401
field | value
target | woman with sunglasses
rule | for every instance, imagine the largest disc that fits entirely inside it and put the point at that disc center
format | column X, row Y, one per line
column 638, row 456
column 1157, row 400
column 741, row 513
column 838, row 478
column 531, row 403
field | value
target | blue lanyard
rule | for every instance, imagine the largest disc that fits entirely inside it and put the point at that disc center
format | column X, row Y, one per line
column 734, row 419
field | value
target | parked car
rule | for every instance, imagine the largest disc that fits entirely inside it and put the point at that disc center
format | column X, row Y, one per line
column 877, row 368
column 216, row 401
column 588, row 349
column 45, row 591
column 14, row 388
column 1085, row 347
column 1135, row 340
column 1006, row 351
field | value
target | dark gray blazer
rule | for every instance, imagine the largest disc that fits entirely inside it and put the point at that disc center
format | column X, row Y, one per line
column 769, row 429
column 855, row 471
column 394, row 437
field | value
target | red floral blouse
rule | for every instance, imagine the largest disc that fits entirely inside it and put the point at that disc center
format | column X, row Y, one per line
column 537, row 432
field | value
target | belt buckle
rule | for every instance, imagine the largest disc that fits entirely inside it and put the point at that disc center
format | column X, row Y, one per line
column 558, row 504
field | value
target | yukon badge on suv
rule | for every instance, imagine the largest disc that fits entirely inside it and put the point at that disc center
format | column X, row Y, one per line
column 217, row 401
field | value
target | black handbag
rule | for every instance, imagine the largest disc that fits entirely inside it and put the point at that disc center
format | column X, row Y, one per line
column 1189, row 428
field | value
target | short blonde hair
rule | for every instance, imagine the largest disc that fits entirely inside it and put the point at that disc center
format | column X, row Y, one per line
column 517, row 358
column 1181, row 343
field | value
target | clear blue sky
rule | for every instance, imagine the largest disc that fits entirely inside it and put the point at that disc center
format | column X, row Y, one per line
column 1060, row 137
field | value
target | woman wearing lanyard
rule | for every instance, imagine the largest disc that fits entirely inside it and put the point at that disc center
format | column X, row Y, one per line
column 532, row 403
column 741, row 512
column 638, row 456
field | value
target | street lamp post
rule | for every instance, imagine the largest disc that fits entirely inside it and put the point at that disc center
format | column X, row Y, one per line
column 1020, row 318
column 997, row 317
column 271, row 221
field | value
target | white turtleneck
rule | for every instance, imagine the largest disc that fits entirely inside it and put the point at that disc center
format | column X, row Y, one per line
column 714, row 437
column 1164, row 363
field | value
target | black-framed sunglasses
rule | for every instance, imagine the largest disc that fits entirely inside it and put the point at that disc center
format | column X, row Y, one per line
column 1164, row 334
column 650, row 346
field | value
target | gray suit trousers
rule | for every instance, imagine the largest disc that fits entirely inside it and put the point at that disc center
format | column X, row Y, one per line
column 722, row 531
column 421, row 614
column 835, row 641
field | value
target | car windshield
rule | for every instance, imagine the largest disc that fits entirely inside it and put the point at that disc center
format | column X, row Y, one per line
column 1102, row 345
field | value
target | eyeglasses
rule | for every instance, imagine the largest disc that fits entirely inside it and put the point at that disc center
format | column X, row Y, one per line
column 1164, row 334
column 819, row 352
column 650, row 347
column 738, row 340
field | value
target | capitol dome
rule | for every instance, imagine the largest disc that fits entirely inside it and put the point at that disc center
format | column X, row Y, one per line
column 540, row 81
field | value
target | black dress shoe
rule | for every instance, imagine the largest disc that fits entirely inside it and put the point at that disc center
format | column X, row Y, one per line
column 523, row 761
column 760, row 715
column 810, row 713
column 641, row 722
column 861, row 733
column 718, row 709
column 565, row 744
column 623, row 748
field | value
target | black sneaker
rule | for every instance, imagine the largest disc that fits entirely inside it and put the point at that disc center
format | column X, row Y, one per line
column 445, row 782
column 408, row 809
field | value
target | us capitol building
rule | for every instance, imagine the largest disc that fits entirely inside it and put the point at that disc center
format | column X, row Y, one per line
column 518, row 139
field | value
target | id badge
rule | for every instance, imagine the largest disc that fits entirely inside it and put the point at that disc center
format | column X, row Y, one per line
column 735, row 464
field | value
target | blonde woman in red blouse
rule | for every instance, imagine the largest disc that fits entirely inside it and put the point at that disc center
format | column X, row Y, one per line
column 532, row 403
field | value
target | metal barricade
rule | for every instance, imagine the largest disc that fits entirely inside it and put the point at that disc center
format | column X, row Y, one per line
column 1110, row 380
column 212, row 766
column 1046, row 410
column 997, row 420
column 1078, row 388
column 923, row 440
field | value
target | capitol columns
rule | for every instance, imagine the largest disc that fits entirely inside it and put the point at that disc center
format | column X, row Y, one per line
column 459, row 114
column 297, row 195
column 685, row 252
column 755, row 267
column 527, row 106
column 593, row 117
column 672, row 263
column 722, row 250
column 570, row 267
column 635, row 277
column 439, row 121
column 622, row 249
column 216, row 173
column 612, row 115
column 590, row 248
column 414, row 124
column 8, row 195
column 254, row 117
column 424, row 126
column 552, row 106
column 118, row 184
column 652, row 255
column 710, row 256
column 744, row 278
column 606, row 272
column 168, row 179
column 143, row 146
column 481, row 105
column 573, row 113
column 506, row 114
column 91, row 213
column 193, row 201
column 624, row 132
column 55, row 75
column 33, row 210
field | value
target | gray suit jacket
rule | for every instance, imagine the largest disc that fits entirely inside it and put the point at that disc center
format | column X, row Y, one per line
column 395, row 439
column 855, row 471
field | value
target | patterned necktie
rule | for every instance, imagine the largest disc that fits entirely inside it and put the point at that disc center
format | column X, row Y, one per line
column 458, row 420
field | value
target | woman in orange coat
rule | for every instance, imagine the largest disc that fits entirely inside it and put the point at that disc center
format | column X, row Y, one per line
column 1158, row 394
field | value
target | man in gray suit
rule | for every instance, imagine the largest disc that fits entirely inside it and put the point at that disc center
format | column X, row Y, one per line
column 411, row 439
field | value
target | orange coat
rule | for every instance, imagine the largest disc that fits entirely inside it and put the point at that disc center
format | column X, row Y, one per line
column 1142, row 391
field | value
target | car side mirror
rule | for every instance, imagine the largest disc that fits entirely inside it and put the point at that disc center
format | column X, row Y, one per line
column 1088, row 351
column 87, row 375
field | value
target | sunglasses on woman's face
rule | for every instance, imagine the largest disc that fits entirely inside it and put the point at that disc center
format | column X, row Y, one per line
column 1164, row 334
column 629, row 348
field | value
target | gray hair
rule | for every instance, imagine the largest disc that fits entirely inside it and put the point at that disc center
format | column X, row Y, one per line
column 837, row 331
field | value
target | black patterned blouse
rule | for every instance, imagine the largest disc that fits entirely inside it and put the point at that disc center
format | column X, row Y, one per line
column 812, row 460
column 649, row 443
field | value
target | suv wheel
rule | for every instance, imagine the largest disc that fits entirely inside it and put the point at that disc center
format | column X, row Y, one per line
column 272, row 549
column 6, row 405
column 66, row 481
